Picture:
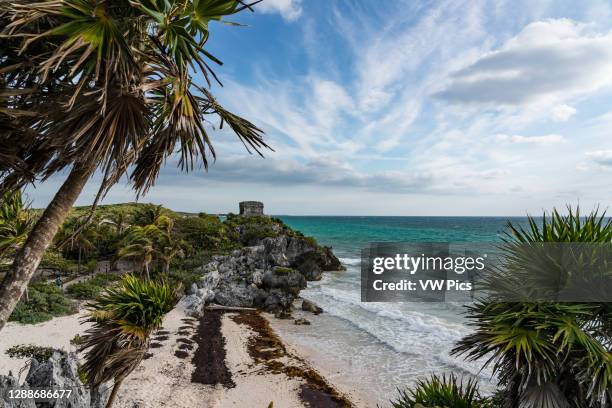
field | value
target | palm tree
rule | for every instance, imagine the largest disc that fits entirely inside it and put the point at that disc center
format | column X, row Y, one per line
column 547, row 353
column 169, row 249
column 80, row 234
column 141, row 244
column 148, row 214
column 15, row 222
column 103, row 85
column 118, row 220
column 122, row 319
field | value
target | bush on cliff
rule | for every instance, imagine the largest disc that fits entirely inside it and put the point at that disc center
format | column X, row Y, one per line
column 204, row 232
column 252, row 229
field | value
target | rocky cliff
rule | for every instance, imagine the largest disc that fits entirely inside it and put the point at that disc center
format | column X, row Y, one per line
column 267, row 273
column 59, row 372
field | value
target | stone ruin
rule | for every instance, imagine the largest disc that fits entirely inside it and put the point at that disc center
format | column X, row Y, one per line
column 248, row 208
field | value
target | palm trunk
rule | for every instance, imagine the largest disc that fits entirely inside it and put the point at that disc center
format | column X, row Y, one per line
column 79, row 265
column 146, row 268
column 29, row 256
column 113, row 395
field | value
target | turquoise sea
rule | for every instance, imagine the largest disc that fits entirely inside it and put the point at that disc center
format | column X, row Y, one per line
column 376, row 348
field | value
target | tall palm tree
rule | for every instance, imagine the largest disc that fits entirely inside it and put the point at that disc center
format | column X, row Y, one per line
column 141, row 244
column 123, row 319
column 103, row 85
column 548, row 353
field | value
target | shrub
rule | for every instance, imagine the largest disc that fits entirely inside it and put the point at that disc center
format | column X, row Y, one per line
column 83, row 290
column 77, row 340
column 55, row 261
column 178, row 278
column 91, row 288
column 442, row 392
column 203, row 232
column 38, row 353
column 45, row 302
column 249, row 230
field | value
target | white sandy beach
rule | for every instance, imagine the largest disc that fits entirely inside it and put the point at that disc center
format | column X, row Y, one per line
column 163, row 379
column 55, row 333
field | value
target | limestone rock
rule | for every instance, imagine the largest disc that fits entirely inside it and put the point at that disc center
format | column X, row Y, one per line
column 309, row 306
column 59, row 372
column 301, row 322
column 268, row 274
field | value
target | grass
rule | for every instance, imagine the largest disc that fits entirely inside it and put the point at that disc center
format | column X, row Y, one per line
column 45, row 301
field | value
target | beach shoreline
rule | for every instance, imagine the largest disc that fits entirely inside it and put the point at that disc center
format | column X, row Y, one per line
column 260, row 367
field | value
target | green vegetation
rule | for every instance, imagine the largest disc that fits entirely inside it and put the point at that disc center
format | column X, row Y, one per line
column 91, row 288
column 15, row 222
column 123, row 319
column 38, row 353
column 77, row 340
column 442, row 392
column 560, row 352
column 204, row 231
column 147, row 105
column 42, row 302
column 161, row 244
column 544, row 353
column 248, row 230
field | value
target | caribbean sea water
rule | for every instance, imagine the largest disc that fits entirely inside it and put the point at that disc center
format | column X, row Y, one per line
column 379, row 347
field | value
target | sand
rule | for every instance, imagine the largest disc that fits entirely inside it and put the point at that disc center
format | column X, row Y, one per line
column 164, row 378
column 333, row 373
column 55, row 333
column 254, row 387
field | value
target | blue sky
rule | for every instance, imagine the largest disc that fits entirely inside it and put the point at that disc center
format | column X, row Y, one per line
column 407, row 108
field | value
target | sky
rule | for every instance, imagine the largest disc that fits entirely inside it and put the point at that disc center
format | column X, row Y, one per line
column 406, row 108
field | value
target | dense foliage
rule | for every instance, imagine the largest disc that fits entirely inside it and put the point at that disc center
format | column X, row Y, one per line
column 91, row 288
column 442, row 392
column 38, row 353
column 42, row 302
column 122, row 319
column 15, row 222
column 546, row 353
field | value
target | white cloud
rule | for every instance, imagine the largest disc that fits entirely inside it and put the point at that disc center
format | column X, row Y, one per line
column 562, row 113
column 550, row 60
column 291, row 10
column 600, row 157
column 539, row 140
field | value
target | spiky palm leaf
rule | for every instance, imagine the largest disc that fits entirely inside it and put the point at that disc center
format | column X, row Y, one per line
column 116, row 78
column 442, row 391
column 547, row 354
column 15, row 222
column 122, row 320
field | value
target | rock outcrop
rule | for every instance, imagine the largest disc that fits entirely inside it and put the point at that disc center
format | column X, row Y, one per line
column 268, row 275
column 59, row 372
